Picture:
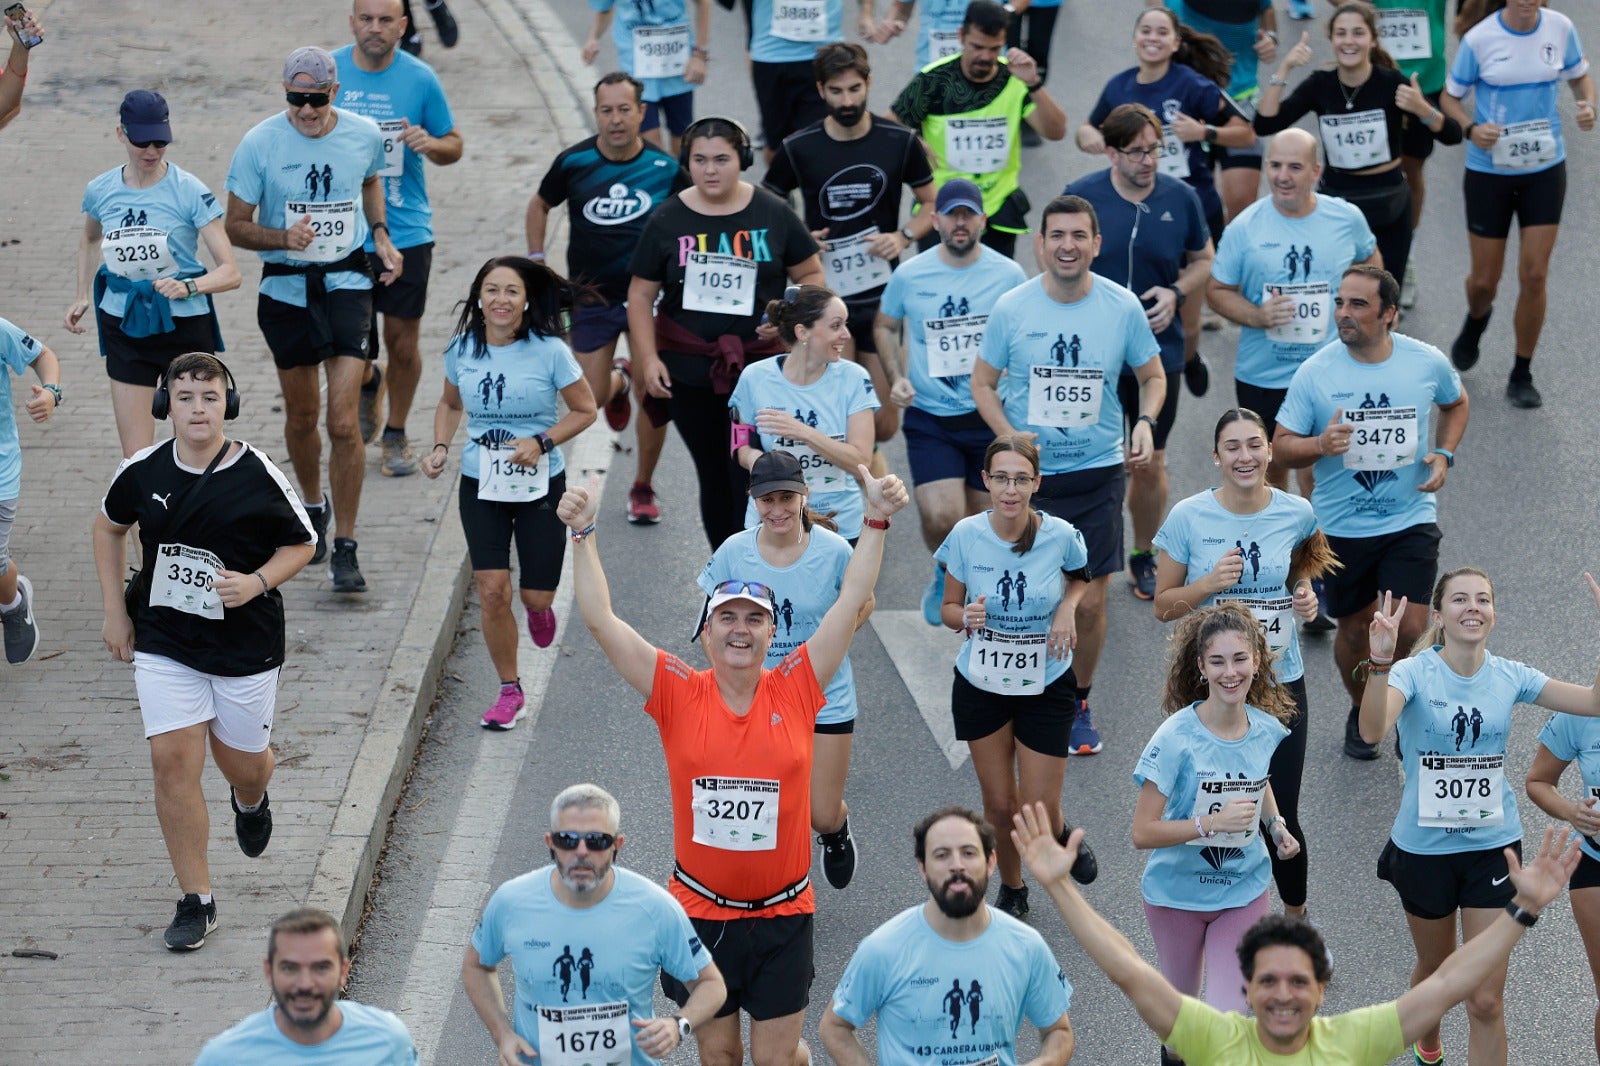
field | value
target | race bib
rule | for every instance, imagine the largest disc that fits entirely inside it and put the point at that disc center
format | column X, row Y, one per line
column 719, row 284
column 1385, row 438
column 1174, row 161
column 850, row 268
column 501, row 480
column 182, row 581
column 1404, row 34
column 1275, row 615
column 596, row 1034
column 394, row 149
column 800, row 20
column 333, row 227
column 819, row 473
column 943, row 43
column 977, row 145
column 1525, row 144
column 138, row 252
column 1313, row 307
column 952, row 344
column 1008, row 664
column 735, row 813
column 1066, row 397
column 1211, row 796
column 1355, row 141
column 1457, row 791
column 660, row 51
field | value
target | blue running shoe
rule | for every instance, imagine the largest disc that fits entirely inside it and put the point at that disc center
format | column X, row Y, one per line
column 933, row 597
column 1085, row 739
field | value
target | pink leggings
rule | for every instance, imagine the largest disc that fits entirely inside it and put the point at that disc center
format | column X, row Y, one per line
column 1186, row 940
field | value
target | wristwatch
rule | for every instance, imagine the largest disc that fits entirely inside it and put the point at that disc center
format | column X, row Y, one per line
column 685, row 1030
column 1449, row 456
column 905, row 231
column 190, row 288
column 54, row 390
column 1147, row 418
column 546, row 445
column 1179, row 293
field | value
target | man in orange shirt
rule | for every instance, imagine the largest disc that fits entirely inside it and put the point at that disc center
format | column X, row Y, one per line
column 738, row 745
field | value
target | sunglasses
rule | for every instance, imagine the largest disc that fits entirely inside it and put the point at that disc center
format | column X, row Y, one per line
column 145, row 144
column 302, row 99
column 746, row 588
column 565, row 841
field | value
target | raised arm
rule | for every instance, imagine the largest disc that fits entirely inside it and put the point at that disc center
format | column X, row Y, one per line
column 1380, row 704
column 830, row 642
column 632, row 655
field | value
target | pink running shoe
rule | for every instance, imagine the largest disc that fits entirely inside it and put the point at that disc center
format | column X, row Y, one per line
column 507, row 710
column 542, row 627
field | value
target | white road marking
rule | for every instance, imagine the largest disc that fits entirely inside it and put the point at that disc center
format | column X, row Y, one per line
column 924, row 656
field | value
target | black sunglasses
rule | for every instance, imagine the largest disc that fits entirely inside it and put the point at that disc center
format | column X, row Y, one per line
column 565, row 841
column 302, row 99
column 145, row 144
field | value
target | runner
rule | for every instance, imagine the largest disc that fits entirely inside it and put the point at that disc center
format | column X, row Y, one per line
column 1513, row 56
column 202, row 623
column 1013, row 694
column 1155, row 228
column 506, row 367
column 1032, row 27
column 1456, row 816
column 784, row 38
column 630, row 929
column 716, row 254
column 148, row 217
column 1377, row 479
column 830, row 430
column 17, row 65
column 946, row 293
column 304, row 191
column 657, row 46
column 610, row 183
column 849, row 169
column 403, row 96
column 939, row 26
column 738, row 742
column 1009, row 969
column 969, row 108
column 1063, row 394
column 1204, row 794
column 18, row 351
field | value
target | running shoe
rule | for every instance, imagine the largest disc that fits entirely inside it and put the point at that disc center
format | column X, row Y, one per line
column 444, row 22
column 22, row 632
column 1085, row 868
column 1423, row 1060
column 542, row 626
column 193, row 922
column 1408, row 286
column 838, row 855
column 319, row 522
column 618, row 408
column 508, row 709
column 1085, row 739
column 1521, row 393
column 933, row 598
column 369, row 410
column 643, row 507
column 1012, row 901
column 1464, row 349
column 1197, row 375
column 1354, row 746
column 412, row 41
column 398, row 458
column 344, row 571
column 252, row 828
column 1321, row 623
column 1142, row 574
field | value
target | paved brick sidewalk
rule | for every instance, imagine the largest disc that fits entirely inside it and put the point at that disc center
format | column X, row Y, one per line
column 83, row 872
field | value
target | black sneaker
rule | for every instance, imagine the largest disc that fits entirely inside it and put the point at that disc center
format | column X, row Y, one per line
column 444, row 22
column 1197, row 375
column 253, row 829
column 838, row 855
column 193, row 922
column 412, row 41
column 1521, row 393
column 1354, row 746
column 1012, row 901
column 1464, row 349
column 319, row 522
column 21, row 631
column 1084, row 868
column 344, row 571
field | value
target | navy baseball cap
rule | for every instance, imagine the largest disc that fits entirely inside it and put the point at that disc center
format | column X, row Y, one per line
column 959, row 192
column 144, row 116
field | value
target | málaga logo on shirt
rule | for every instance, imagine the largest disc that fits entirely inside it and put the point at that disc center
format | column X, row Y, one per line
column 621, row 204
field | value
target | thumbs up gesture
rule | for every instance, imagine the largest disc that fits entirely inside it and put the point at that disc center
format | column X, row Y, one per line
column 1409, row 99
column 975, row 614
column 1300, row 54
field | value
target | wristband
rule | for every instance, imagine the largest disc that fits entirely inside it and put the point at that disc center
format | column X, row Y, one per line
column 546, row 445
column 1449, row 456
column 441, row 444
column 1201, row 829
column 537, row 257
column 1146, row 419
column 739, row 435
column 376, row 226
column 579, row 535
column 875, row 523
column 1522, row 917
column 701, row 52
column 264, row 588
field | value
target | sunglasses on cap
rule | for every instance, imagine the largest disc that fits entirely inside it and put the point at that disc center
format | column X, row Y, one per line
column 745, row 588
column 564, row 841
column 302, row 99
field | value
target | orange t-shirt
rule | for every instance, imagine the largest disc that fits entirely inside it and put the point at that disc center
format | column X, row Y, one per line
column 729, row 765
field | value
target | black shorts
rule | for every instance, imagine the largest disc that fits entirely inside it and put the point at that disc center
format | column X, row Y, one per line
column 596, row 325
column 1404, row 563
column 541, row 537
column 1587, row 875
column 1128, row 393
column 1263, row 401
column 679, row 112
column 1041, row 722
column 1416, row 142
column 858, row 321
column 940, row 447
column 838, row 729
column 1436, row 886
column 1238, row 158
column 1492, row 200
column 1092, row 501
column 141, row 361
column 287, row 329
column 786, row 94
column 408, row 296
column 1215, row 223
column 766, row 963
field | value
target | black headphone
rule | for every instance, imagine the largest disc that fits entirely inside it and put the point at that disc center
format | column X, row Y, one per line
column 161, row 402
column 747, row 152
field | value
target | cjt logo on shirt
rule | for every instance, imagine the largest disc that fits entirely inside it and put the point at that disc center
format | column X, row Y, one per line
column 620, row 204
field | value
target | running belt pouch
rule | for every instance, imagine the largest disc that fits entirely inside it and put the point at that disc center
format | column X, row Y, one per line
column 136, row 593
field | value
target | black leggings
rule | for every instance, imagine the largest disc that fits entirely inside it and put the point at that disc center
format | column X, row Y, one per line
column 701, row 419
column 1385, row 202
column 1039, row 23
column 1287, row 764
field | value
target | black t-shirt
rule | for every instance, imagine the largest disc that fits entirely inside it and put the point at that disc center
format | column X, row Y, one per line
column 1322, row 94
column 849, row 186
column 247, row 513
column 1234, row 12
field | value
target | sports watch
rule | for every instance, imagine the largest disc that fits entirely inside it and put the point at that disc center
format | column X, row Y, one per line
column 685, row 1030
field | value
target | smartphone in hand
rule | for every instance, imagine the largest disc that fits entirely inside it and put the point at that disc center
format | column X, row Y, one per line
column 17, row 15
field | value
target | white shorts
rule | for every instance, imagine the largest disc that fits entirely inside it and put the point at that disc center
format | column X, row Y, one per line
column 173, row 696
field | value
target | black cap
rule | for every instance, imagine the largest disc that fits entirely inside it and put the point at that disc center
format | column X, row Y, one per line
column 776, row 472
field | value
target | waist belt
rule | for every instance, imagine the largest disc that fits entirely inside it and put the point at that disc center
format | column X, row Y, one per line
column 792, row 892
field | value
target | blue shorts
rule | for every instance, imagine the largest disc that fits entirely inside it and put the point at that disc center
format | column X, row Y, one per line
column 940, row 447
column 1092, row 501
column 596, row 325
column 679, row 110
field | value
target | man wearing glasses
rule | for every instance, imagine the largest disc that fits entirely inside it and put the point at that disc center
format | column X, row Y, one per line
column 584, row 917
column 304, row 191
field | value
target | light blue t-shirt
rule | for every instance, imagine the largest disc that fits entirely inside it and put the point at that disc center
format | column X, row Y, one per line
column 1572, row 737
column 178, row 206
column 1199, row 531
column 1198, row 772
column 510, row 392
column 276, row 165
column 926, row 289
column 18, row 350
column 368, row 1037
column 406, row 89
column 648, row 13
column 939, row 17
column 944, row 1003
column 1515, row 78
column 826, row 405
column 1446, row 717
column 1107, row 330
column 767, row 47
column 804, row 593
column 611, row 952
column 1239, row 38
column 1369, row 502
column 1262, row 247
column 1015, row 602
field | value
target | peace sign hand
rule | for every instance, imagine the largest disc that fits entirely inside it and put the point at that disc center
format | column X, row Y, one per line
column 1384, row 633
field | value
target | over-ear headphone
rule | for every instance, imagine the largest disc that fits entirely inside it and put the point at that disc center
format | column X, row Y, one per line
column 161, row 402
column 747, row 152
